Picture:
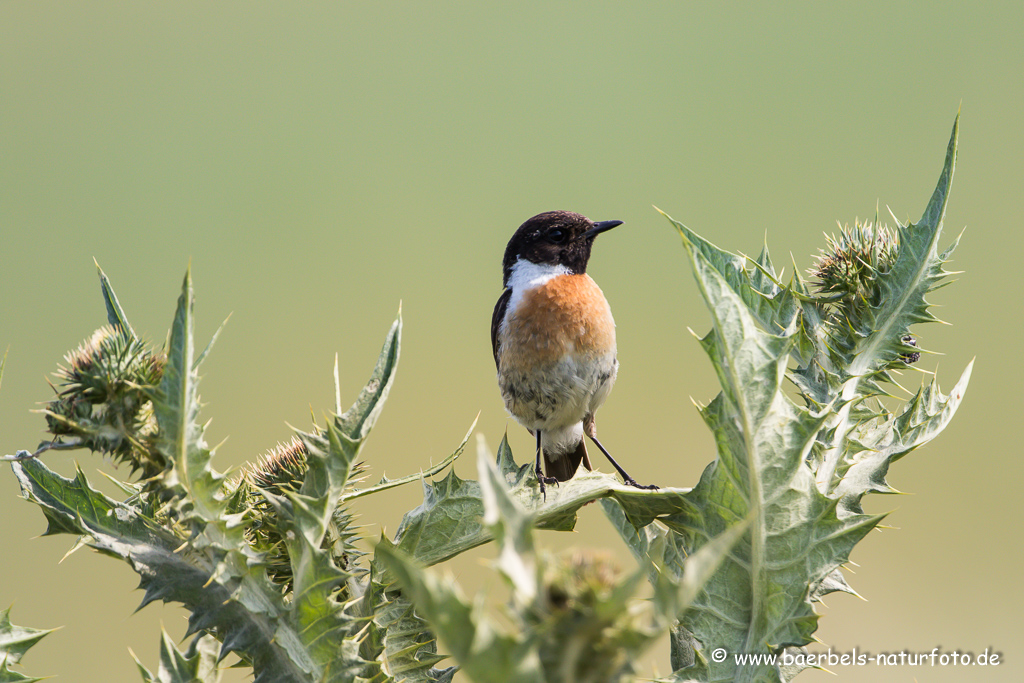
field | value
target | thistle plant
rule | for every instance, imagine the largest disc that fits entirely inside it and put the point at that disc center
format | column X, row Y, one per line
column 272, row 567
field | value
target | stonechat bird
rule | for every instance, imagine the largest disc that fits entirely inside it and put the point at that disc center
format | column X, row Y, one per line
column 554, row 341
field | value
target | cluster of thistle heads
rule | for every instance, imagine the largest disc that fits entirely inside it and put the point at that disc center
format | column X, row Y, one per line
column 104, row 402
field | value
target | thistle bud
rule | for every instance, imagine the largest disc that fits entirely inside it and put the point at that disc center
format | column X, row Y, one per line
column 105, row 399
column 585, row 619
column 849, row 266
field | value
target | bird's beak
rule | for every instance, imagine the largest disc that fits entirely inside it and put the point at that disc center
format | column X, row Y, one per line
column 598, row 228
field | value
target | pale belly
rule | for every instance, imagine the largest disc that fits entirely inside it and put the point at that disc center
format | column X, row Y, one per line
column 559, row 394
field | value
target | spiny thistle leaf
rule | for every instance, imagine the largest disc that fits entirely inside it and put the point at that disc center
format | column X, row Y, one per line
column 376, row 625
column 177, row 411
column 224, row 588
column 449, row 521
column 242, row 612
column 73, row 506
column 495, row 656
column 575, row 612
column 315, row 611
column 15, row 641
column 401, row 639
column 795, row 539
column 199, row 665
column 678, row 576
column 774, row 308
column 8, row 676
column 889, row 439
column 115, row 314
column 512, row 529
column 306, row 515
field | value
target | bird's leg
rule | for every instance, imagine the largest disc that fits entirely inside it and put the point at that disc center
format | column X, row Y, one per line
column 590, row 428
column 541, row 479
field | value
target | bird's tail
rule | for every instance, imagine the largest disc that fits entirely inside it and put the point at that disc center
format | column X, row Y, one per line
column 564, row 466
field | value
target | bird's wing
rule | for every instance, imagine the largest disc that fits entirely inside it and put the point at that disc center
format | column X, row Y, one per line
column 496, row 318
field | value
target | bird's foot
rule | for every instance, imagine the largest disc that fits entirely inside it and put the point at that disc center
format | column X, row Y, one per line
column 648, row 487
column 542, row 480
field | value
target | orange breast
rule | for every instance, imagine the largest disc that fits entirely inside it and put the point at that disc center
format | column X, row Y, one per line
column 568, row 314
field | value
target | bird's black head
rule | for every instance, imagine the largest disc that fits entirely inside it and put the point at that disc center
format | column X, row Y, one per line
column 554, row 238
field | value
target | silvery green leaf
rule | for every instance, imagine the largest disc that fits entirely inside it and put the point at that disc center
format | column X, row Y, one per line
column 15, row 641
column 197, row 666
column 450, row 519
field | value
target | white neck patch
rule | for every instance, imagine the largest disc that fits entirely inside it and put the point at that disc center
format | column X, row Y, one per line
column 526, row 275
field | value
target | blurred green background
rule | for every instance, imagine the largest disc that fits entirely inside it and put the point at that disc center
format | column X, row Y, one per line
column 318, row 163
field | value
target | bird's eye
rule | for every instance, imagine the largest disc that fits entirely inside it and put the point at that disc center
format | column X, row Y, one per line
column 557, row 236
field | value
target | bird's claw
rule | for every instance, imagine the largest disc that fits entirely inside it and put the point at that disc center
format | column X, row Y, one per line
column 648, row 487
column 542, row 480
